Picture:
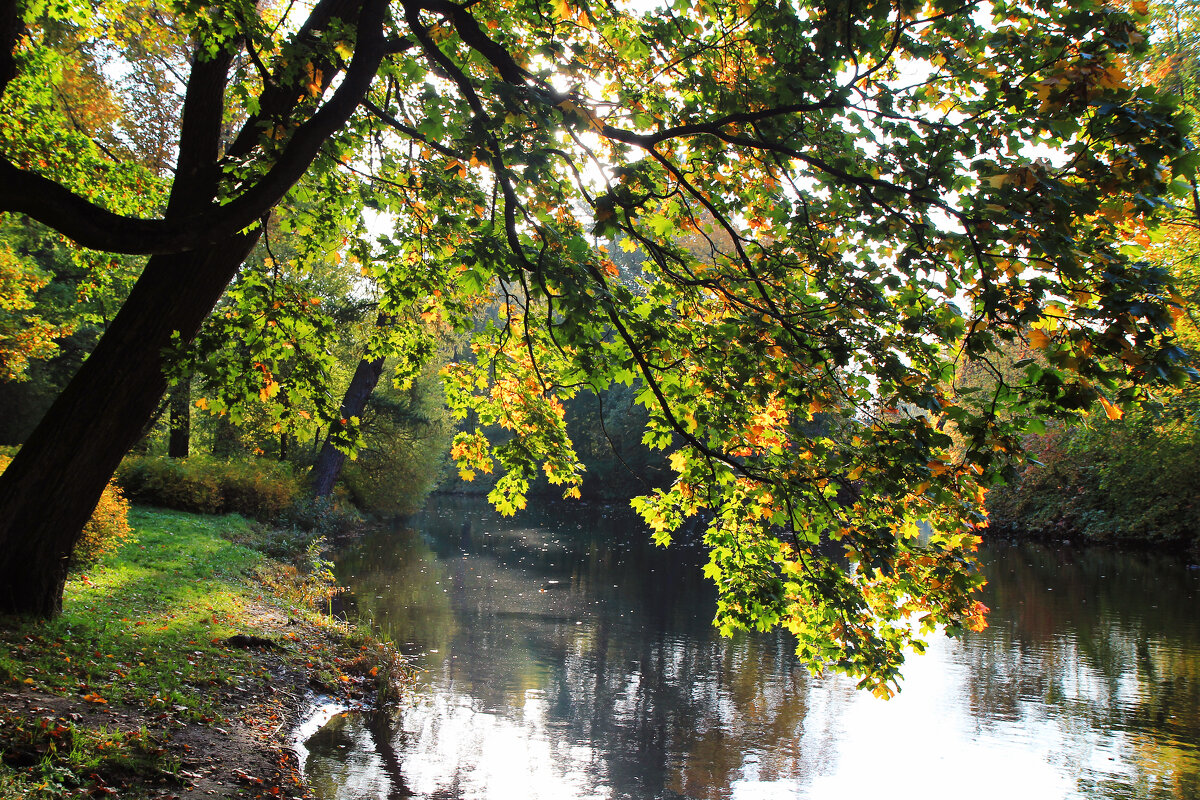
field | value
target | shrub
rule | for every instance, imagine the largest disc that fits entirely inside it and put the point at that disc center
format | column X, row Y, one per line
column 107, row 529
column 1132, row 480
column 170, row 483
column 329, row 517
column 261, row 490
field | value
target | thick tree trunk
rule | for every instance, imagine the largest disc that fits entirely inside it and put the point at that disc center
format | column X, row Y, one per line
column 53, row 483
column 330, row 461
column 180, row 441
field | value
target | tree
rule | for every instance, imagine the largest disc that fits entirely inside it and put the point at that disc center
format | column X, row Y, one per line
column 863, row 171
column 1130, row 476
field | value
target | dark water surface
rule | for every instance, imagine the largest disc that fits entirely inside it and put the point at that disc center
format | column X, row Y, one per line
column 565, row 657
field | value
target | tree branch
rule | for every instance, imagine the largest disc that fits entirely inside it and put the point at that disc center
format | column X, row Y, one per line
column 92, row 226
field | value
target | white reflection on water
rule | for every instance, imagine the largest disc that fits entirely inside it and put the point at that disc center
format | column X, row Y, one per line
column 561, row 672
column 482, row 754
column 925, row 743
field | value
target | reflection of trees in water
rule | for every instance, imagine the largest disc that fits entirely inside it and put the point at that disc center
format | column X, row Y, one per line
column 329, row 776
column 581, row 617
column 397, row 585
column 611, row 639
column 1099, row 637
column 680, row 713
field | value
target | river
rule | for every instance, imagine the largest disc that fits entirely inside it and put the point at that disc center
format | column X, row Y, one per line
column 563, row 656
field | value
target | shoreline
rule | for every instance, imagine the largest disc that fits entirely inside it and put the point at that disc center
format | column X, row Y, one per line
column 1007, row 532
column 165, row 683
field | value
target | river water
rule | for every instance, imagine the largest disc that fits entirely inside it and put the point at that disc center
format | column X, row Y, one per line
column 563, row 656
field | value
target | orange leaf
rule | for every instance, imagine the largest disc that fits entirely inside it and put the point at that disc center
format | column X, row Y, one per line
column 1112, row 411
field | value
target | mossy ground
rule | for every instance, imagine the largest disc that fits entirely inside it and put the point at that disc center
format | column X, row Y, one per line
column 136, row 689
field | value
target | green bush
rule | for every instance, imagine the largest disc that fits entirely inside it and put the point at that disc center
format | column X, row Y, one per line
column 1132, row 480
column 325, row 517
column 261, row 490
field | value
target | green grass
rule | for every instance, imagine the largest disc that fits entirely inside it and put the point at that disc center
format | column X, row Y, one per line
column 57, row 756
column 145, row 626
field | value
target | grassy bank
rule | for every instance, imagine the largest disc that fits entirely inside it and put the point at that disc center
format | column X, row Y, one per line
column 177, row 666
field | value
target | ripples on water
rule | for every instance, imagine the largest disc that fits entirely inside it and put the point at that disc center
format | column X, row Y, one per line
column 565, row 657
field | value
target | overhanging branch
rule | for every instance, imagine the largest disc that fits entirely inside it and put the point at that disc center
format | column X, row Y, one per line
column 93, row 226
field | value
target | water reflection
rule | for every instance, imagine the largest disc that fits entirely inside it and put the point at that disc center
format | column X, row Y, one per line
column 566, row 658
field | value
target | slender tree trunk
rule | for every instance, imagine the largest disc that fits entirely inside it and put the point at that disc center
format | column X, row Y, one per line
column 180, row 441
column 285, row 439
column 329, row 463
column 70, row 457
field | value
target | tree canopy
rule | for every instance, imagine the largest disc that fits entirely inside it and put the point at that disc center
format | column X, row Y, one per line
column 839, row 205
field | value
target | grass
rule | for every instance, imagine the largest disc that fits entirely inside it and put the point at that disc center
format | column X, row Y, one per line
column 146, row 629
column 55, row 755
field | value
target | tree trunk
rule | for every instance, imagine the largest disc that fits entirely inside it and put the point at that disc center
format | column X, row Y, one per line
column 330, row 461
column 53, row 483
column 179, row 443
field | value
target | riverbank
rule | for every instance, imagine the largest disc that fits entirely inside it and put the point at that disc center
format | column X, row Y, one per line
column 1062, row 533
column 179, row 667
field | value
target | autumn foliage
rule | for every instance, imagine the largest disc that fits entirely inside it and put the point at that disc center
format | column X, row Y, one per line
column 837, row 206
column 23, row 336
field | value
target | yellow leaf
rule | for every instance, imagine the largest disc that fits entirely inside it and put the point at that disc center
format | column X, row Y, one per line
column 1049, row 324
column 314, row 79
column 1039, row 339
column 1112, row 411
column 202, row 404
